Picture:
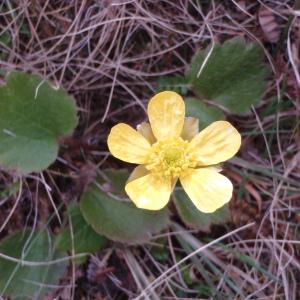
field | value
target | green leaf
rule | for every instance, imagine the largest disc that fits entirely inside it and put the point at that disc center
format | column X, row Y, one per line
column 5, row 39
column 177, row 84
column 160, row 250
column 206, row 114
column 33, row 116
column 28, row 282
column 85, row 239
column 234, row 75
column 9, row 190
column 194, row 218
column 119, row 220
column 117, row 179
column 6, row 44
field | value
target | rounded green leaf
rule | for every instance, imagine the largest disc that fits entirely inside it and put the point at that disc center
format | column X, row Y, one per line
column 33, row 116
column 117, row 180
column 119, row 220
column 206, row 114
column 234, row 75
column 85, row 239
column 194, row 218
column 178, row 84
column 28, row 282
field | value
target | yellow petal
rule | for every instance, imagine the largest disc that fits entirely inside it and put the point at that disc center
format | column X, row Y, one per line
column 127, row 144
column 190, row 128
column 216, row 143
column 149, row 192
column 137, row 172
column 166, row 112
column 207, row 189
column 146, row 131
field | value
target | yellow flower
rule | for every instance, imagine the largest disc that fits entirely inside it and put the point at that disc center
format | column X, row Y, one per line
column 170, row 147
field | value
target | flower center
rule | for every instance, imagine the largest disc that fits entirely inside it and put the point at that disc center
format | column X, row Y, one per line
column 169, row 158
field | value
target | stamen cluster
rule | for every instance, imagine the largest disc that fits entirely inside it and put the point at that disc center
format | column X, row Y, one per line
column 169, row 158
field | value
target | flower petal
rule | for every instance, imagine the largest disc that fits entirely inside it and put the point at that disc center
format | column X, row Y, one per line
column 138, row 172
column 190, row 128
column 127, row 144
column 207, row 189
column 149, row 192
column 146, row 131
column 166, row 112
column 216, row 143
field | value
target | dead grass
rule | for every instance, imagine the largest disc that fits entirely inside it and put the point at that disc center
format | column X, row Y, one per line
column 109, row 55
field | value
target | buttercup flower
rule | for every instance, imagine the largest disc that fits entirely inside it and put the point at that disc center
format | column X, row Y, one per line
column 170, row 147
